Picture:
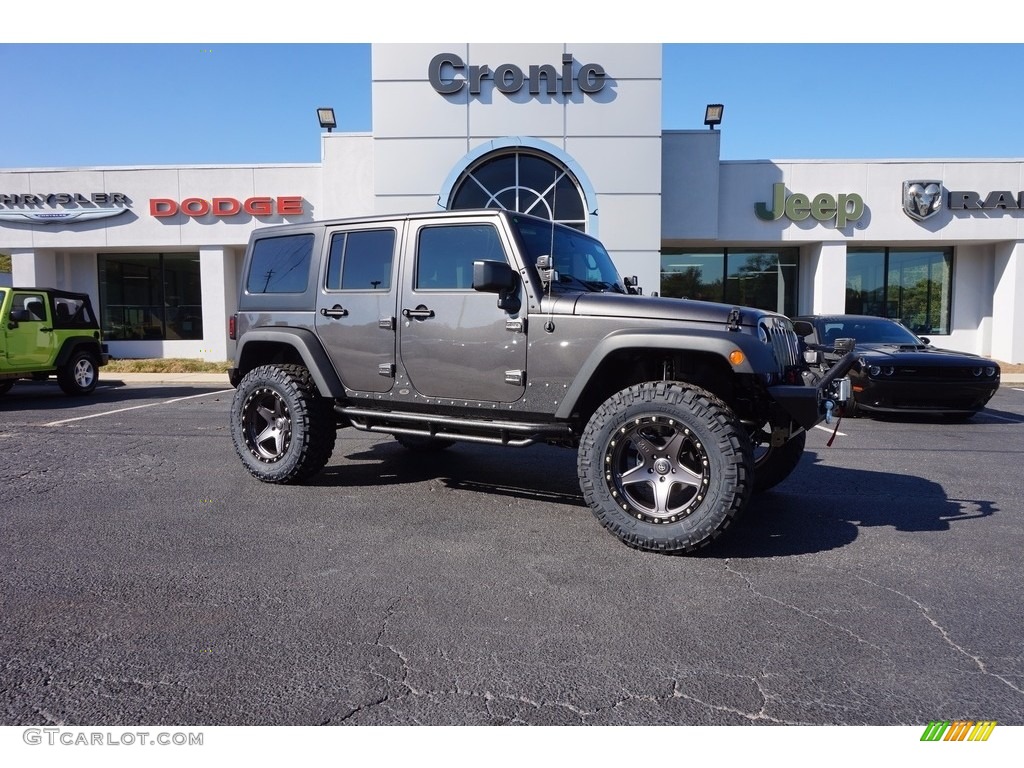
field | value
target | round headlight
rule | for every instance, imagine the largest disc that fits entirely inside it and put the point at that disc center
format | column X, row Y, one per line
column 874, row 370
column 762, row 334
column 888, row 370
column 976, row 372
column 990, row 371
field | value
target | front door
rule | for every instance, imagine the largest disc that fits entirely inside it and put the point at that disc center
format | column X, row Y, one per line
column 30, row 340
column 455, row 342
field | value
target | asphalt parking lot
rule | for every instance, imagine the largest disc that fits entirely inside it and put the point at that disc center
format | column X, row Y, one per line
column 147, row 579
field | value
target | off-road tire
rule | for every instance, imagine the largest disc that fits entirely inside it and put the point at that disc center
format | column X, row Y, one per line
column 665, row 466
column 283, row 430
column 79, row 375
column 423, row 444
column 772, row 465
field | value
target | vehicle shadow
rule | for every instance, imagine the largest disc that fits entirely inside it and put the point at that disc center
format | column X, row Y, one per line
column 819, row 508
column 47, row 395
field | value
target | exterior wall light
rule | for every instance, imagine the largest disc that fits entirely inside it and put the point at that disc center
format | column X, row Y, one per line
column 713, row 115
column 326, row 115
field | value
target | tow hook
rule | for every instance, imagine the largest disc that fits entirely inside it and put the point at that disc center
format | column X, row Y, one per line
column 829, row 406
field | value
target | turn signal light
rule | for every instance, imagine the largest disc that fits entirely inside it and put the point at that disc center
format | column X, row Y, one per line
column 736, row 357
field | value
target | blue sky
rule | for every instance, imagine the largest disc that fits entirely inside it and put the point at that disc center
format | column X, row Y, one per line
column 69, row 102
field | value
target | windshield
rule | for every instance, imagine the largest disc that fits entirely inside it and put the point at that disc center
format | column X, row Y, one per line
column 866, row 330
column 581, row 262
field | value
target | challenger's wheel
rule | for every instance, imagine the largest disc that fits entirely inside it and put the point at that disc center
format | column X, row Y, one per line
column 79, row 375
column 283, row 430
column 665, row 466
column 773, row 464
column 5, row 386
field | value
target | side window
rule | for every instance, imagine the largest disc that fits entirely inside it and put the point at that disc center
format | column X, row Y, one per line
column 69, row 312
column 31, row 305
column 361, row 260
column 280, row 264
column 445, row 255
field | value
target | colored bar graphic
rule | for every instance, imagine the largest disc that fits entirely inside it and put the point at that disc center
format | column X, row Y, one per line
column 982, row 730
column 935, row 730
column 958, row 730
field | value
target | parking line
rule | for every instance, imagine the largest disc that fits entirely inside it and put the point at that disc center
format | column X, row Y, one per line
column 829, row 429
column 134, row 408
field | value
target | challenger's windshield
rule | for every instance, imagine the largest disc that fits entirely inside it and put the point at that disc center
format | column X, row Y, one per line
column 580, row 262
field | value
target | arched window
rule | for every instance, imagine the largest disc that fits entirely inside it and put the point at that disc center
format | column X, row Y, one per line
column 525, row 181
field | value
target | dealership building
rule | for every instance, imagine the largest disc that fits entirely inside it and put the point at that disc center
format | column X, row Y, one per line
column 565, row 131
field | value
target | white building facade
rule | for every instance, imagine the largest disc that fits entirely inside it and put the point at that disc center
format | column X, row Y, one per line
column 567, row 131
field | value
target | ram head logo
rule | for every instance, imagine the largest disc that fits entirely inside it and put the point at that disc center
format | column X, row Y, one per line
column 922, row 199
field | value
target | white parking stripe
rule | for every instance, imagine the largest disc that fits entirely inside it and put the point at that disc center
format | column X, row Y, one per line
column 829, row 429
column 134, row 408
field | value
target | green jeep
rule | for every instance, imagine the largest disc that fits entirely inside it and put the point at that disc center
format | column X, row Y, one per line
column 45, row 332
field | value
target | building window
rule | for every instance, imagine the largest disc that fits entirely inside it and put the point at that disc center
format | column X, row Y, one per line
column 150, row 296
column 912, row 285
column 760, row 278
column 525, row 181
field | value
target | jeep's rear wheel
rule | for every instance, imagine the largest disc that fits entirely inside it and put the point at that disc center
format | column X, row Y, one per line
column 665, row 466
column 79, row 375
column 283, row 430
column 773, row 464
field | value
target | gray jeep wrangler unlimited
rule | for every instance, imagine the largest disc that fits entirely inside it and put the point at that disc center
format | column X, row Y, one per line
column 497, row 327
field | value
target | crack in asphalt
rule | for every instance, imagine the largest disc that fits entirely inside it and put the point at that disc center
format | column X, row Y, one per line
column 801, row 611
column 945, row 635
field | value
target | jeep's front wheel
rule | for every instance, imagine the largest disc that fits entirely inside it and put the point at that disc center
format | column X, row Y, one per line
column 665, row 466
column 79, row 375
column 283, row 430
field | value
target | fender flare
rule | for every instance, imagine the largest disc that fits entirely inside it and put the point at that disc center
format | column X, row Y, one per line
column 309, row 348
column 758, row 357
column 74, row 343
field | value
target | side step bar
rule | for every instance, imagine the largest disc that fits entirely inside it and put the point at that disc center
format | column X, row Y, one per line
column 513, row 433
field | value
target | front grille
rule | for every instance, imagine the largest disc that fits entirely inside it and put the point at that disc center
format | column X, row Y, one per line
column 784, row 342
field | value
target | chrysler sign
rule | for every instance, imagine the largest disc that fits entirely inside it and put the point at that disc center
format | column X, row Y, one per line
column 53, row 207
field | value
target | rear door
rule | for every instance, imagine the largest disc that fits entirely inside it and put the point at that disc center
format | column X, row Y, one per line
column 455, row 343
column 356, row 305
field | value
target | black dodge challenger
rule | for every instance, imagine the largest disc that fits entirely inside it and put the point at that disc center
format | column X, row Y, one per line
column 899, row 372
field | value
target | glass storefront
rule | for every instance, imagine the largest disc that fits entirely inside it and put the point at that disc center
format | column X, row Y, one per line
column 761, row 278
column 150, row 296
column 912, row 285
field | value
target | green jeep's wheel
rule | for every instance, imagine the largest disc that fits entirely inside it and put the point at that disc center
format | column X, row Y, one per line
column 79, row 375
column 283, row 430
column 665, row 466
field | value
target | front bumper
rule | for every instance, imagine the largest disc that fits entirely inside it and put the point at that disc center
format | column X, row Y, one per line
column 809, row 406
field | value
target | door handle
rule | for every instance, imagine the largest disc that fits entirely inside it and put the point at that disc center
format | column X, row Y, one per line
column 336, row 311
column 420, row 313
column 46, row 330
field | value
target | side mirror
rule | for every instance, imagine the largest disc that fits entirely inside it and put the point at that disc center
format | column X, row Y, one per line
column 925, row 340
column 497, row 277
column 492, row 276
column 803, row 328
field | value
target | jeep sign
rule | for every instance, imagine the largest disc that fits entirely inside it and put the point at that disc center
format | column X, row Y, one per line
column 844, row 207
